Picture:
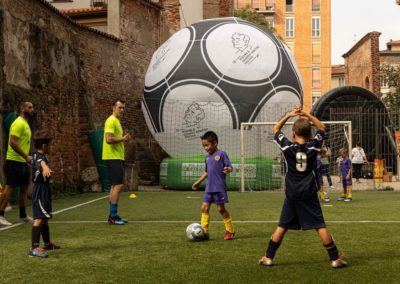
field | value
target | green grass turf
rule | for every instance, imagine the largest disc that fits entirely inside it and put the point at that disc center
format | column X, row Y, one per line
column 151, row 252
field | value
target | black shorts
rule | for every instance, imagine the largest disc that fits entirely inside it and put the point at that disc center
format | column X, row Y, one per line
column 302, row 214
column 115, row 171
column 41, row 201
column 18, row 173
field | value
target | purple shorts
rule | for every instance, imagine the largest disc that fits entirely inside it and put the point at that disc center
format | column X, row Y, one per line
column 346, row 182
column 216, row 197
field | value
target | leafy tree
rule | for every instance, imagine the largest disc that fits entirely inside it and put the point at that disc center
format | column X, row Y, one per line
column 390, row 73
column 251, row 15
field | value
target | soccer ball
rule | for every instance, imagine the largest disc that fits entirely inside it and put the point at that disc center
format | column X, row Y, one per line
column 195, row 232
column 214, row 75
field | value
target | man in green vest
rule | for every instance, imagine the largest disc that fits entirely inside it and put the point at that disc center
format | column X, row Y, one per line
column 17, row 163
column 114, row 155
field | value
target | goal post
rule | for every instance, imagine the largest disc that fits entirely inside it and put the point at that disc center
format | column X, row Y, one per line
column 261, row 163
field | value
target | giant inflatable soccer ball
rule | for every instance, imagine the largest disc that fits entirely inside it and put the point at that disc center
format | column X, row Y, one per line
column 214, row 75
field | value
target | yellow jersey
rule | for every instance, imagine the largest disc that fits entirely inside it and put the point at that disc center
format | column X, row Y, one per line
column 113, row 151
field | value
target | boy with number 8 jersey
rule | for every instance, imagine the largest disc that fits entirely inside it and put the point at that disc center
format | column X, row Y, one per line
column 301, row 208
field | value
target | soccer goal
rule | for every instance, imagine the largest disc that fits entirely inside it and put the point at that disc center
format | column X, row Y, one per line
column 261, row 161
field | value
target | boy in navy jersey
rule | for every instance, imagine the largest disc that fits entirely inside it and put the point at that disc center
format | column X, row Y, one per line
column 217, row 166
column 301, row 208
column 41, row 197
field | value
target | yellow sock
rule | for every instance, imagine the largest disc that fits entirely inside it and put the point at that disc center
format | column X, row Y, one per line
column 321, row 194
column 349, row 193
column 205, row 220
column 229, row 225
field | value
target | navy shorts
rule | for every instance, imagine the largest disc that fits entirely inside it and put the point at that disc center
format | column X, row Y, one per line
column 216, row 197
column 41, row 201
column 18, row 173
column 115, row 171
column 346, row 182
column 302, row 214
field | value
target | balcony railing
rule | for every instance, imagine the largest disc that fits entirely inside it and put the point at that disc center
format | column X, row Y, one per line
column 98, row 3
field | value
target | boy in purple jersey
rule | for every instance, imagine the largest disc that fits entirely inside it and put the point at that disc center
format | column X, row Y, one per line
column 345, row 171
column 217, row 166
column 301, row 208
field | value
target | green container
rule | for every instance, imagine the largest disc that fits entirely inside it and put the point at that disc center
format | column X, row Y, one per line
column 8, row 119
column 261, row 173
column 96, row 141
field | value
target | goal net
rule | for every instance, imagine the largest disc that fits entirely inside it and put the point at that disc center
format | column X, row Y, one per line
column 261, row 162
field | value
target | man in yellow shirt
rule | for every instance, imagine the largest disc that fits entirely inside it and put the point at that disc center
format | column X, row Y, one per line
column 17, row 160
column 114, row 155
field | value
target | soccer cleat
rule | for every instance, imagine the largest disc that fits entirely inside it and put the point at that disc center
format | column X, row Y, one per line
column 265, row 261
column 338, row 263
column 206, row 237
column 37, row 252
column 115, row 221
column 51, row 246
column 26, row 219
column 332, row 187
column 341, row 198
column 347, row 199
column 122, row 219
column 327, row 199
column 229, row 236
column 3, row 221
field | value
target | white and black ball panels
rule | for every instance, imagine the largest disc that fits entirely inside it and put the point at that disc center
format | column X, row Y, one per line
column 214, row 75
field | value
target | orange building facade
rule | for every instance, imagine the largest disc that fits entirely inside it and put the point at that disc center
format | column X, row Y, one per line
column 305, row 26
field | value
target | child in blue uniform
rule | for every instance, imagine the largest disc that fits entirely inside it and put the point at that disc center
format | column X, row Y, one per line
column 301, row 208
column 217, row 166
column 345, row 170
column 41, row 197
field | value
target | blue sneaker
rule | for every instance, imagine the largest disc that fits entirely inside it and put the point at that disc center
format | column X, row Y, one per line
column 122, row 219
column 115, row 221
column 37, row 252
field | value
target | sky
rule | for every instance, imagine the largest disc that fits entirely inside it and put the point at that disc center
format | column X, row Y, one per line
column 352, row 19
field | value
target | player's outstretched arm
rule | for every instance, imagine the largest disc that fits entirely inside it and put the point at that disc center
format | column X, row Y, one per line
column 278, row 126
column 196, row 185
column 318, row 124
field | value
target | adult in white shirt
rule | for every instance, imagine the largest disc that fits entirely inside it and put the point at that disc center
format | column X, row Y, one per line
column 358, row 158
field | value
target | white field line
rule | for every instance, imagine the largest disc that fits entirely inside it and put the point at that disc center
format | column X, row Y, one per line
column 57, row 212
column 235, row 221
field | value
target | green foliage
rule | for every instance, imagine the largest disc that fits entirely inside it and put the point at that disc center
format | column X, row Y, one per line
column 252, row 16
column 391, row 74
column 153, row 248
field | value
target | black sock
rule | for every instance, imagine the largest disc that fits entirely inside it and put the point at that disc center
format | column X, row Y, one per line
column 2, row 213
column 22, row 212
column 44, row 230
column 332, row 251
column 35, row 236
column 272, row 248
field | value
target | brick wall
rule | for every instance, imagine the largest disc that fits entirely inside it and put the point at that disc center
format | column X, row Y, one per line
column 72, row 74
column 216, row 8
column 362, row 63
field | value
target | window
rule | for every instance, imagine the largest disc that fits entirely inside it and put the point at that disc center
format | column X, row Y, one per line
column 316, row 26
column 315, row 97
column 289, row 27
column 289, row 5
column 256, row 4
column 290, row 44
column 384, row 82
column 341, row 81
column 316, row 5
column 316, row 78
column 316, row 52
column 270, row 22
column 241, row 4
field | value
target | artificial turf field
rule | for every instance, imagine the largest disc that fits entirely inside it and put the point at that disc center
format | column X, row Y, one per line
column 153, row 248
